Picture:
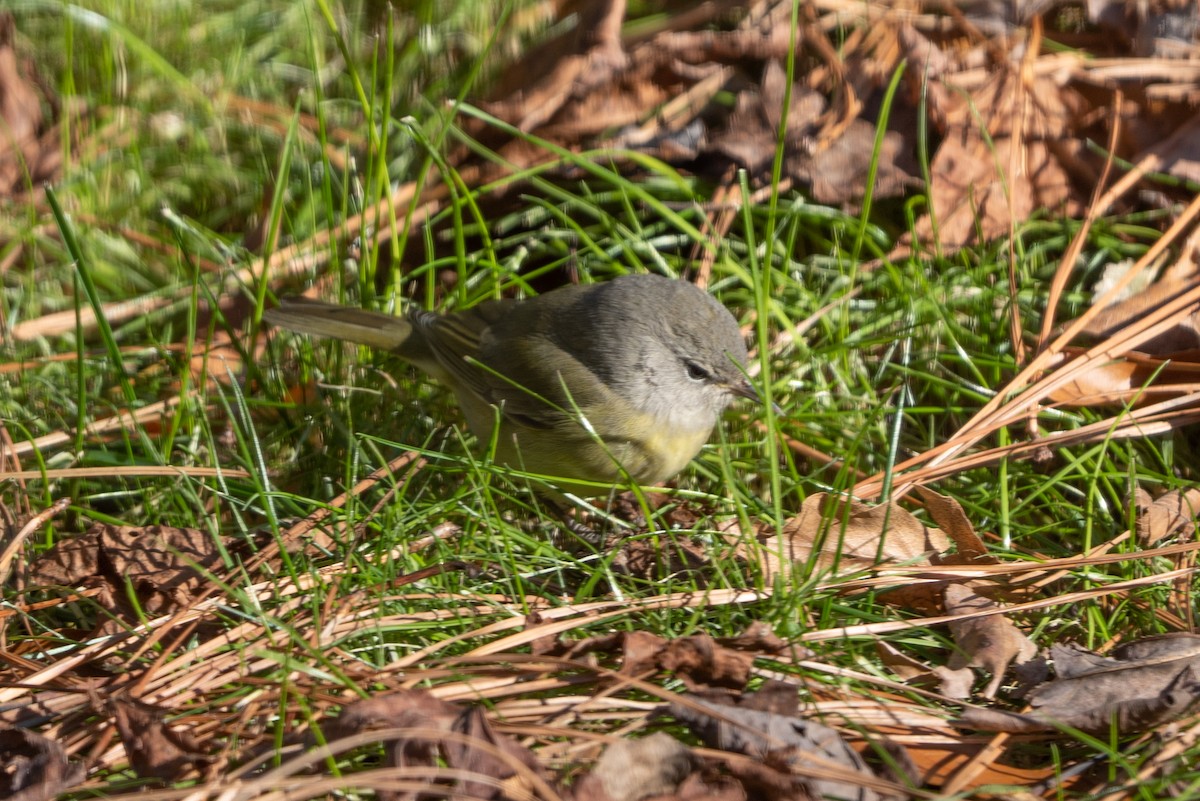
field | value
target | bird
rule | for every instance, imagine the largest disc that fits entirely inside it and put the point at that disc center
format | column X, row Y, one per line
column 591, row 385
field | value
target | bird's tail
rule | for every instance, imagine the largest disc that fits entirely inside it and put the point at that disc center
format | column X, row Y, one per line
column 364, row 327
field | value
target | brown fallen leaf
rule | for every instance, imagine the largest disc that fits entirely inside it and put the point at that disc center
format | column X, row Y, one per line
column 649, row 560
column 632, row 770
column 155, row 750
column 1146, row 291
column 587, row 55
column 398, row 710
column 843, row 536
column 901, row 664
column 164, row 559
column 471, row 758
column 788, row 747
column 953, row 522
column 991, row 642
column 1173, row 513
column 1132, row 380
column 30, row 150
column 1006, row 153
column 839, row 536
column 1145, row 684
column 417, row 709
column 35, row 768
column 164, row 565
column 773, row 696
column 700, row 661
column 954, row 682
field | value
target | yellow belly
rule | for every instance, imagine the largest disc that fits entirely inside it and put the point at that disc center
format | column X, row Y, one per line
column 648, row 452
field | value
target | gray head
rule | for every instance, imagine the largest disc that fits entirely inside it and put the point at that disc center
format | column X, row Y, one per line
column 681, row 355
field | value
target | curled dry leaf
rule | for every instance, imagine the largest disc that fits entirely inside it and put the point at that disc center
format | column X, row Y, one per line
column 630, row 770
column 662, row 93
column 900, row 663
column 833, row 167
column 155, row 750
column 649, row 560
column 35, row 768
column 1134, row 380
column 788, row 747
column 165, row 565
column 954, row 682
column 833, row 534
column 30, row 150
column 991, row 642
column 700, row 661
column 949, row 515
column 1147, row 683
column 501, row 775
column 1006, row 153
column 1175, row 512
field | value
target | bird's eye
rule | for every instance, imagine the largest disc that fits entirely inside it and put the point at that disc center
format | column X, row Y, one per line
column 696, row 371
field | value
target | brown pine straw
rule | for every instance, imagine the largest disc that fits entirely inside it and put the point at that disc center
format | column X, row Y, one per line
column 121, row 421
column 1004, row 410
column 870, row 629
column 1100, row 204
column 128, row 471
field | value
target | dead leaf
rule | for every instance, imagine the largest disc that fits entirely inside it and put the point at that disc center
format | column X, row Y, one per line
column 900, row 663
column 471, row 758
column 699, row 660
column 835, row 168
column 752, row 130
column 417, row 709
column 632, row 770
column 164, row 565
column 586, row 55
column 787, row 746
column 991, row 642
column 1147, row 683
column 155, row 750
column 844, row 536
column 954, row 682
column 773, row 696
column 399, row 710
column 701, row 663
column 166, row 559
column 69, row 563
column 35, row 768
column 1166, row 365
column 759, row 639
column 30, row 152
column 1173, row 513
column 649, row 560
column 1140, row 301
column 1006, row 154
column 1133, row 380
column 952, row 520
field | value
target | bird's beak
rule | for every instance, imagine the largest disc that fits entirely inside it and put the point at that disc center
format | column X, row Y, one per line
column 744, row 389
